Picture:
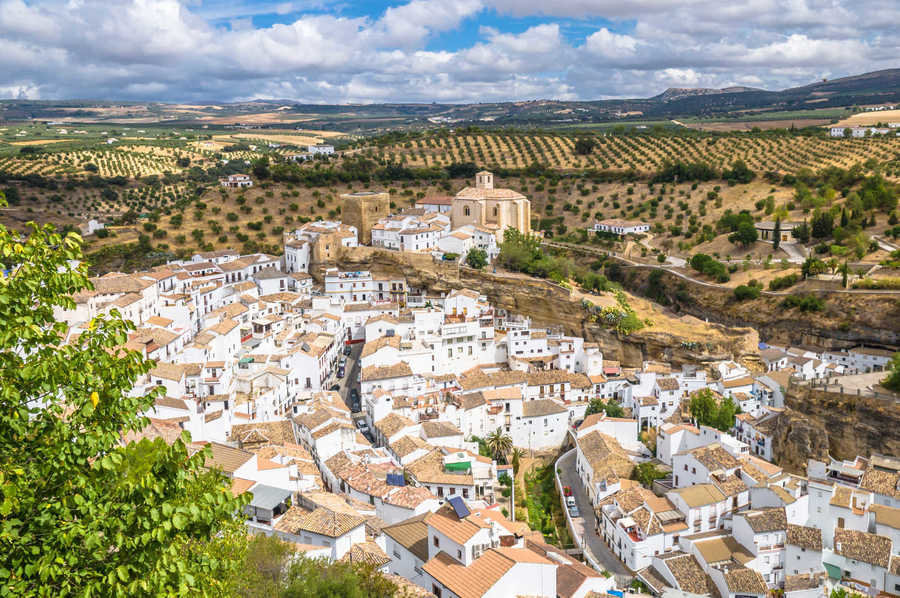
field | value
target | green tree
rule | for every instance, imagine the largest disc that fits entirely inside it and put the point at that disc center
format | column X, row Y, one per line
column 646, row 473
column 822, row 224
column 703, row 406
column 801, row 233
column 708, row 412
column 776, row 235
column 611, row 408
column 725, row 413
column 745, row 235
column 81, row 512
column 584, row 145
column 260, row 167
column 614, row 409
column 499, row 444
column 892, row 381
column 476, row 258
column 813, row 266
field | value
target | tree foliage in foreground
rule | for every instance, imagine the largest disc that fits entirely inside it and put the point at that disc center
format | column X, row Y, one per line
column 82, row 514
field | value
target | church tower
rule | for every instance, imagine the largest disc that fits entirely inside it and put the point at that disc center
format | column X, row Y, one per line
column 484, row 180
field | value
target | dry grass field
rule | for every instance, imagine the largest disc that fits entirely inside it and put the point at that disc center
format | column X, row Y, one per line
column 870, row 118
column 39, row 141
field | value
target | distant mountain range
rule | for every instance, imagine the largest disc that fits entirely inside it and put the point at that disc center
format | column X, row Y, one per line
column 878, row 87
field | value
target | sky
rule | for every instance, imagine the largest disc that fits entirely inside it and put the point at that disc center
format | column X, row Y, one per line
column 337, row 51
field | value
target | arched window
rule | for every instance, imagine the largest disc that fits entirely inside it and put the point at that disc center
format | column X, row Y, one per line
column 466, row 211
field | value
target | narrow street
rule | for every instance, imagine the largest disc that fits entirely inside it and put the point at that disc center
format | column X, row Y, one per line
column 351, row 371
column 595, row 543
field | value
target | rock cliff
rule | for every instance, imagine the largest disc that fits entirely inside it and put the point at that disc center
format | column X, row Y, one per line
column 849, row 319
column 843, row 425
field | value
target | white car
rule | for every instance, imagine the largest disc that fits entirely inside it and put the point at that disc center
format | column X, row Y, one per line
column 570, row 501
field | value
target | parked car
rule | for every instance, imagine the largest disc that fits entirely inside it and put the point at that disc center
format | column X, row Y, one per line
column 343, row 362
column 570, row 501
column 347, row 349
column 335, row 387
column 574, row 512
column 340, row 373
column 567, row 491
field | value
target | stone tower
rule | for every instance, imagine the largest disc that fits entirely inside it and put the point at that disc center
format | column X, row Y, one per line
column 363, row 209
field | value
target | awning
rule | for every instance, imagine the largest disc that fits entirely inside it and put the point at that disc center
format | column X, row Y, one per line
column 458, row 466
column 834, row 572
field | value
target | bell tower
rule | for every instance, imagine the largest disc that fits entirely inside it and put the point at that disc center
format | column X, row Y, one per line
column 484, row 180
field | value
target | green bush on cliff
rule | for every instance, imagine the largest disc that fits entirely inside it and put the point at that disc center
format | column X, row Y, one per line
column 892, row 382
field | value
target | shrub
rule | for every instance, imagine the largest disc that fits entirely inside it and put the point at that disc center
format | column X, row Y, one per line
column 879, row 283
column 744, row 292
column 805, row 303
column 783, row 282
column 710, row 266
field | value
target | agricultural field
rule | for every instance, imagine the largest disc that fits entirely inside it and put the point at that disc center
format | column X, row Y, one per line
column 642, row 153
column 728, row 126
column 862, row 119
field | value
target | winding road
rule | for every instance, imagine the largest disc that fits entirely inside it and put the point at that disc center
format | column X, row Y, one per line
column 668, row 268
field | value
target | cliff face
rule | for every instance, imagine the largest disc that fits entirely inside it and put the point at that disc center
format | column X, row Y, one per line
column 819, row 423
column 848, row 319
column 670, row 338
column 797, row 438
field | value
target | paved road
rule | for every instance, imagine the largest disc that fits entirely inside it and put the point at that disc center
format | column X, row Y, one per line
column 350, row 372
column 595, row 543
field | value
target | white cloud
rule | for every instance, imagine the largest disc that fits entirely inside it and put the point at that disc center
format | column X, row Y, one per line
column 182, row 50
column 678, row 77
column 611, row 45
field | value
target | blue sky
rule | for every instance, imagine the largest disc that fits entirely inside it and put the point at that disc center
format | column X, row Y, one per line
column 333, row 51
column 264, row 14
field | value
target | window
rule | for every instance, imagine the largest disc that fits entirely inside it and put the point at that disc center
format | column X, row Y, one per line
column 436, row 590
column 465, row 493
column 437, row 542
column 459, row 554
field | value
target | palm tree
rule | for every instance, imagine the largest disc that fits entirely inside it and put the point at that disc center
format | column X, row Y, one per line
column 498, row 443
